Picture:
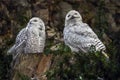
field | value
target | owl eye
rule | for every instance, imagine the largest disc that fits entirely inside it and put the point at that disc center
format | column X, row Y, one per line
column 75, row 13
column 35, row 20
column 68, row 15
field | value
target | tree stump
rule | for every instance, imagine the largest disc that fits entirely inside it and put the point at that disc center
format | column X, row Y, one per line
column 29, row 66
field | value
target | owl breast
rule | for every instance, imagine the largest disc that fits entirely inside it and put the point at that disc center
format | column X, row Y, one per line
column 35, row 43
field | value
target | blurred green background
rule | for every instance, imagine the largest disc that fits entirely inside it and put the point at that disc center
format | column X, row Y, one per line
column 102, row 15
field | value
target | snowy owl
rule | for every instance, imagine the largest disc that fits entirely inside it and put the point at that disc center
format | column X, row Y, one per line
column 30, row 39
column 79, row 36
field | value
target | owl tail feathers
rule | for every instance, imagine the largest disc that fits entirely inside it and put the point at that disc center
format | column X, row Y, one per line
column 11, row 50
column 105, row 54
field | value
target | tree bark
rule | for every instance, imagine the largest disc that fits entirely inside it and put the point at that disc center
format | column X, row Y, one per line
column 32, row 65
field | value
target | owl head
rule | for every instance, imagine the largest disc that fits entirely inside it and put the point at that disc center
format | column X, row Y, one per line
column 73, row 15
column 37, row 23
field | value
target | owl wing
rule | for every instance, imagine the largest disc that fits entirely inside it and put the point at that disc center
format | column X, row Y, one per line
column 20, row 41
column 89, row 38
column 18, row 47
column 86, row 37
column 85, row 31
column 21, row 37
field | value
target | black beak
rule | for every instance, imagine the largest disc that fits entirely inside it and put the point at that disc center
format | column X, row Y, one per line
column 30, row 22
column 72, row 17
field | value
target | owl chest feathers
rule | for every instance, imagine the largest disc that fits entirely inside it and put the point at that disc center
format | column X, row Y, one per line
column 35, row 41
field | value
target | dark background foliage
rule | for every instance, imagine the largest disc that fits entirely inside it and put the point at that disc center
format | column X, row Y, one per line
column 102, row 15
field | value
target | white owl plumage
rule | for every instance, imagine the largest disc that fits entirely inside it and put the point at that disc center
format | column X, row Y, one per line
column 30, row 39
column 79, row 36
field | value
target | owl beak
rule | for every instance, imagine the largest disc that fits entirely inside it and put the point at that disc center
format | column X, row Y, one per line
column 72, row 17
column 30, row 22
